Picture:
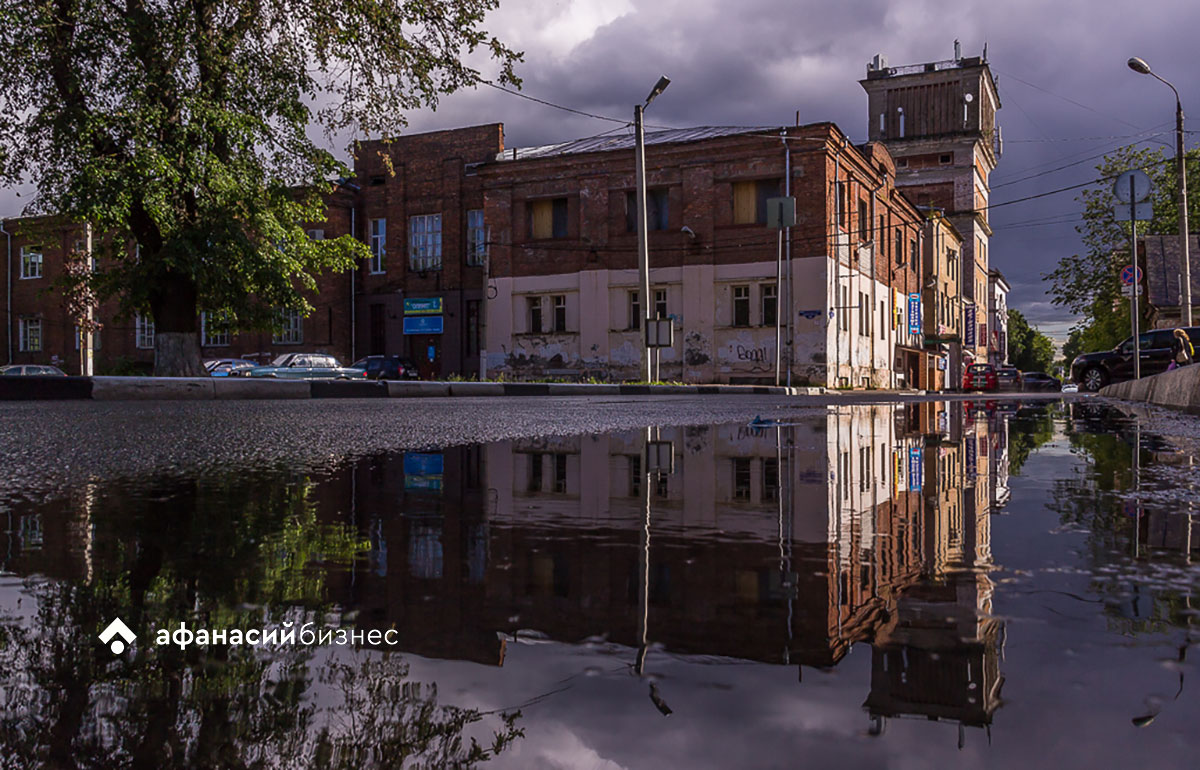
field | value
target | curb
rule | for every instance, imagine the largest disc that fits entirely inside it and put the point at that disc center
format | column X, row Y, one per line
column 227, row 389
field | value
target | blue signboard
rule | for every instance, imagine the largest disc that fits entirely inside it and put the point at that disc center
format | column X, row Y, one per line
column 914, row 313
column 423, row 306
column 969, row 332
column 421, row 464
column 916, row 470
column 422, row 324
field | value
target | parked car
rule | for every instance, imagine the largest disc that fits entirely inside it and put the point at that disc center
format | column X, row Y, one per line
column 31, row 370
column 224, row 367
column 1008, row 378
column 1092, row 371
column 303, row 366
column 1040, row 381
column 387, row 368
column 980, row 377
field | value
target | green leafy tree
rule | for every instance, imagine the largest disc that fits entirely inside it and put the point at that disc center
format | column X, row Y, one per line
column 1088, row 284
column 180, row 130
column 1028, row 349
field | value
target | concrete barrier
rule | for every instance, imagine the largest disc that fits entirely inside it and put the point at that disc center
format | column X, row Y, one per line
column 238, row 388
column 1177, row 389
column 477, row 388
column 417, row 389
column 152, row 388
column 34, row 388
column 348, row 389
column 583, row 389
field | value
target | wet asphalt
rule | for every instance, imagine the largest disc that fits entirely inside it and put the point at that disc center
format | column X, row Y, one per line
column 53, row 447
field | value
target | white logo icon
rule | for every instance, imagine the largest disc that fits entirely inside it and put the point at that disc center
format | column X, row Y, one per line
column 117, row 628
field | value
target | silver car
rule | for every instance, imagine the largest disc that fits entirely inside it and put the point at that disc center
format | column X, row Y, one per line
column 303, row 366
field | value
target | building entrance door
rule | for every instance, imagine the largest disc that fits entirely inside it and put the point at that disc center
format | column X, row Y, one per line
column 427, row 354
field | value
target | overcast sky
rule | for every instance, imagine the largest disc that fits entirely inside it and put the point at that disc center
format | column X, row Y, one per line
column 1065, row 90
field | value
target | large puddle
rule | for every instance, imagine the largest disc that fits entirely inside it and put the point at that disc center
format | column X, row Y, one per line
column 906, row 586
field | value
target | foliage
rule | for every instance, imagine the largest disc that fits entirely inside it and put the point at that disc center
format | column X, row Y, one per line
column 1088, row 284
column 180, row 130
column 1028, row 349
column 1030, row 429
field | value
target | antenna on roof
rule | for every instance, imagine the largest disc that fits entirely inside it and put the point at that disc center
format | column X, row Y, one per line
column 957, row 51
column 985, row 52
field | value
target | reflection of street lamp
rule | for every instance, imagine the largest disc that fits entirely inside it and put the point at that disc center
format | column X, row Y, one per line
column 643, row 237
column 1140, row 66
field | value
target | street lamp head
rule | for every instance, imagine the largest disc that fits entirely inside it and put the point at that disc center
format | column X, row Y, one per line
column 659, row 87
column 1139, row 66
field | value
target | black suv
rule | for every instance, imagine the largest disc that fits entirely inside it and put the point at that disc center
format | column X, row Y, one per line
column 387, row 368
column 1092, row 371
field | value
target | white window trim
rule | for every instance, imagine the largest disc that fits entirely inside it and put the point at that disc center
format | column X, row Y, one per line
column 143, row 332
column 476, row 240
column 28, row 254
column 378, row 245
column 219, row 340
column 425, row 245
column 23, row 332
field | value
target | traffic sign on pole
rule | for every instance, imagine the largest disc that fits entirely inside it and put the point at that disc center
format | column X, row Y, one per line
column 1127, row 275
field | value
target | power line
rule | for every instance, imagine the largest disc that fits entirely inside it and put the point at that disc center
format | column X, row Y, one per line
column 552, row 104
column 1074, row 163
column 1067, row 99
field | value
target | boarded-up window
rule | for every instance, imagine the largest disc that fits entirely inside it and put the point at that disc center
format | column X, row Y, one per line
column 548, row 218
column 750, row 201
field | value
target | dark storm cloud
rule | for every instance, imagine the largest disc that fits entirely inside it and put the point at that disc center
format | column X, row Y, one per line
column 756, row 62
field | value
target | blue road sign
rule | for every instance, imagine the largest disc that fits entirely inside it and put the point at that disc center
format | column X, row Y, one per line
column 422, row 324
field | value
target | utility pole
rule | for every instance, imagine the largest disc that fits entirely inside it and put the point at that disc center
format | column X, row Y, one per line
column 1184, row 257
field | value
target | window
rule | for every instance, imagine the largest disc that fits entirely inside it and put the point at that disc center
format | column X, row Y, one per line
column 657, row 213
column 864, row 315
column 768, row 303
column 534, row 314
column 31, row 262
column 378, row 244
column 560, row 473
column 635, row 311
column 143, row 332
column 913, row 259
column 660, row 303
column 843, row 205
column 770, row 473
column 535, row 474
column 741, row 305
column 750, row 201
column 741, row 478
column 473, row 326
column 291, row 328
column 899, row 255
column 844, row 309
column 214, row 329
column 882, row 321
column 476, row 238
column 945, row 158
column 864, row 222
column 425, row 242
column 560, row 312
column 881, row 236
column 952, row 263
column 902, row 163
column 548, row 218
column 30, row 335
column 316, row 235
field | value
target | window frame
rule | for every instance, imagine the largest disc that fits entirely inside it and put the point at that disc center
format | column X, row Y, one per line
column 558, row 309
column 221, row 339
column 476, row 238
column 739, row 300
column 533, row 310
column 143, row 332
column 768, row 291
column 25, row 326
column 377, row 229
column 425, row 242
column 291, row 328
column 32, row 256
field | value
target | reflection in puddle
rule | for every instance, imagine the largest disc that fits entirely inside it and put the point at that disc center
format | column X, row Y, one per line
column 682, row 560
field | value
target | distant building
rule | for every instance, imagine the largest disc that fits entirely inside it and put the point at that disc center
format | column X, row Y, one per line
column 997, row 343
column 938, row 120
column 942, row 266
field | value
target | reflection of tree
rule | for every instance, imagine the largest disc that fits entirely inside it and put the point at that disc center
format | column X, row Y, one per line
column 237, row 553
column 1029, row 429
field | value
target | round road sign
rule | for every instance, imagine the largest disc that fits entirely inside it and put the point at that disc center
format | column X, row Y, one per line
column 1141, row 186
column 1127, row 275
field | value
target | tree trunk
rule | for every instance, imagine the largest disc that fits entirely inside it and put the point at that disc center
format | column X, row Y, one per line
column 176, row 343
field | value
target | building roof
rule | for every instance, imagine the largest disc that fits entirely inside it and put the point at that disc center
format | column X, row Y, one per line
column 1161, row 254
column 624, row 140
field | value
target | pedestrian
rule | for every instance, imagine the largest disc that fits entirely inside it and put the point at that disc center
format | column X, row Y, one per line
column 1181, row 350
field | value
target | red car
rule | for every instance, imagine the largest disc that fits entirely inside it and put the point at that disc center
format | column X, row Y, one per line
column 980, row 377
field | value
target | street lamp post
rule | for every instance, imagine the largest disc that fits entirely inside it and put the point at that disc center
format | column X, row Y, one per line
column 642, row 228
column 1140, row 66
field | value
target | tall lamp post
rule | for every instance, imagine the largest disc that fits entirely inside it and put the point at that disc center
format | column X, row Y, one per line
column 642, row 228
column 1140, row 66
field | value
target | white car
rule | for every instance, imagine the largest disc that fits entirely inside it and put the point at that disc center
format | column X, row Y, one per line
column 1070, row 387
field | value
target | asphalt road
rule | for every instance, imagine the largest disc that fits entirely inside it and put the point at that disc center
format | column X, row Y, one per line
column 51, row 447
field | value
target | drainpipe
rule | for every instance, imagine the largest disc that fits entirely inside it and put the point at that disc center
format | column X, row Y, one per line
column 8, row 307
column 787, row 255
column 874, row 258
column 353, row 287
column 837, row 266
